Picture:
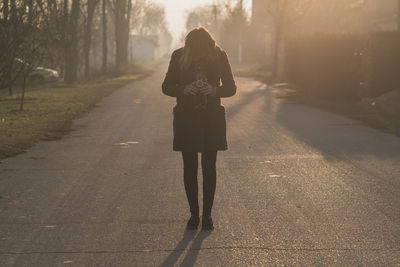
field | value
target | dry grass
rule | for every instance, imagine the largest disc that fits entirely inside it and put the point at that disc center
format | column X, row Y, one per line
column 49, row 112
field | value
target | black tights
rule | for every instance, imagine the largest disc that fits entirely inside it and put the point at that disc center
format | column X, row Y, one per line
column 190, row 164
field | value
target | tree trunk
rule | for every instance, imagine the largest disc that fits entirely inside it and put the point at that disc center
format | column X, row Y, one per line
column 13, row 8
column 91, row 6
column 71, row 57
column 64, row 25
column 121, row 46
column 122, row 20
column 105, row 48
column 31, row 13
column 7, row 75
column 10, row 90
column 279, row 27
column 5, row 9
column 40, row 4
column 21, row 104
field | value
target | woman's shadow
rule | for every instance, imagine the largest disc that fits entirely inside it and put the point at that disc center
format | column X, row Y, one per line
column 193, row 251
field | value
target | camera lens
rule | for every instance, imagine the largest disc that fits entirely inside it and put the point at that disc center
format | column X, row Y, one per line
column 199, row 83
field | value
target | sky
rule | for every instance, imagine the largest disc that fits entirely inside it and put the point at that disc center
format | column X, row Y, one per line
column 176, row 11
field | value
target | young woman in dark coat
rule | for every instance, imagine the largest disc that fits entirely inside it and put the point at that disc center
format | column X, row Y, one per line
column 194, row 77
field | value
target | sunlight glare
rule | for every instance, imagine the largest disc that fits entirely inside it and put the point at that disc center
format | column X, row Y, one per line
column 176, row 11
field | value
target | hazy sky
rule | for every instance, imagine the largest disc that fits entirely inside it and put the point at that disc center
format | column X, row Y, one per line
column 177, row 9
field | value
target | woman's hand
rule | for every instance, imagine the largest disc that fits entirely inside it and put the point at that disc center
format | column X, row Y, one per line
column 208, row 90
column 190, row 89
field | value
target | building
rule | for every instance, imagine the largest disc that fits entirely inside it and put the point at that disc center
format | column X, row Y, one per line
column 142, row 47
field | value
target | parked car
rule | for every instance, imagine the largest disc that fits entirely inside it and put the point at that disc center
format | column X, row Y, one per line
column 39, row 75
column 42, row 75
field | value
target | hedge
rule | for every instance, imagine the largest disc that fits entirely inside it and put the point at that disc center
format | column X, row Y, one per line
column 326, row 66
column 383, row 62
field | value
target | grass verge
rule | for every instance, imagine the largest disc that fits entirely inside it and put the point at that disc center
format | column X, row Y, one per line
column 48, row 112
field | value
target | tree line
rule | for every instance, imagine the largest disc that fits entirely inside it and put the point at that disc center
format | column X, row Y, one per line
column 68, row 34
column 227, row 20
column 263, row 36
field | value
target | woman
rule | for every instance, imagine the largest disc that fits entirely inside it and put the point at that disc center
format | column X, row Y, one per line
column 194, row 75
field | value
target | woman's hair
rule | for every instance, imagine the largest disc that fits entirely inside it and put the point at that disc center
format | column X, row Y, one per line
column 199, row 43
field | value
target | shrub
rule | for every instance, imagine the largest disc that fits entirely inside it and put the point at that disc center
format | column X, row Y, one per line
column 326, row 66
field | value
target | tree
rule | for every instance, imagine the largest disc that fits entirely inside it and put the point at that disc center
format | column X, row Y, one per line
column 148, row 18
column 17, row 36
column 207, row 16
column 5, row 9
column 90, row 9
column 8, row 46
column 332, row 16
column 216, row 17
column 122, row 16
column 104, row 36
column 308, row 16
column 235, row 27
column 53, row 23
column 283, row 13
column 13, row 8
column 30, row 55
column 21, row 44
column 70, row 29
column 71, row 42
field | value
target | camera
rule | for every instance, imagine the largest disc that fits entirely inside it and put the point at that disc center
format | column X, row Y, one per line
column 201, row 100
column 200, row 84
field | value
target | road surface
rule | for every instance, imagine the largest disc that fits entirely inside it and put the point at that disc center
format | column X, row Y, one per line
column 298, row 186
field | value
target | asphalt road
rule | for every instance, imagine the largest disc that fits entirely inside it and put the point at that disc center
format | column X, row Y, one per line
column 298, row 186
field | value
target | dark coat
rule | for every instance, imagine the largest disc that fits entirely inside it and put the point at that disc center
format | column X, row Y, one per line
column 199, row 130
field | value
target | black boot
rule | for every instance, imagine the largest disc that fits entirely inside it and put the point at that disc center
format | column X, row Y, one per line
column 207, row 223
column 193, row 222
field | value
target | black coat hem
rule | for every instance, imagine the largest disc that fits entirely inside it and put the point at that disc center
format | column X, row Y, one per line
column 199, row 151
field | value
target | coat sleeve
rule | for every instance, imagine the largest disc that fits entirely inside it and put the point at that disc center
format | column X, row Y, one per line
column 171, row 86
column 228, row 87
